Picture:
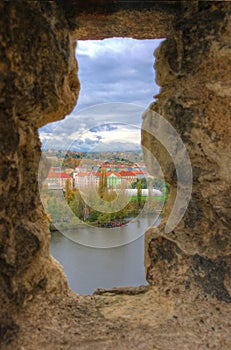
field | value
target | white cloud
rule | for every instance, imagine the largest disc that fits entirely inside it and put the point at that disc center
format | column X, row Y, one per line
column 117, row 84
column 97, row 48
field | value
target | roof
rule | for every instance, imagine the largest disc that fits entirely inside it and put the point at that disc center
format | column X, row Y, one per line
column 57, row 175
column 111, row 174
column 139, row 172
column 81, row 174
column 127, row 173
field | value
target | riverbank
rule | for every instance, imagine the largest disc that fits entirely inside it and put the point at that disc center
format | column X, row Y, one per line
column 110, row 224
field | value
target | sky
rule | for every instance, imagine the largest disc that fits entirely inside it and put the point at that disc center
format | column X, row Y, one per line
column 117, row 84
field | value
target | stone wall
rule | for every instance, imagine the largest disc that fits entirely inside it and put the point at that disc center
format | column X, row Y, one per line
column 193, row 68
column 97, row 20
column 39, row 84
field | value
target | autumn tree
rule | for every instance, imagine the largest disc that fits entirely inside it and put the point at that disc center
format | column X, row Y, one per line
column 139, row 192
column 102, row 189
column 68, row 192
column 77, row 204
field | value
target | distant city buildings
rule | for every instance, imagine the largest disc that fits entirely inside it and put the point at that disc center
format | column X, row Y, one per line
column 86, row 175
column 56, row 179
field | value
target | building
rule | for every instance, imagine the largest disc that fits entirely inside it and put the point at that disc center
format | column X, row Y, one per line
column 57, row 180
column 86, row 179
column 113, row 180
column 129, row 176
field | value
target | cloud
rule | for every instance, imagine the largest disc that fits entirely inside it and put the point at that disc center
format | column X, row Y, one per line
column 101, row 128
column 118, row 70
column 105, row 127
column 117, row 84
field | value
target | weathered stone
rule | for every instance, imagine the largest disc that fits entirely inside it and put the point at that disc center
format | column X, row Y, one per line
column 194, row 70
column 104, row 19
column 189, row 305
column 38, row 84
column 171, row 267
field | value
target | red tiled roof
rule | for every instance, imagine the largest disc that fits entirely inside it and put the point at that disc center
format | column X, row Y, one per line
column 61, row 175
column 127, row 173
column 97, row 174
column 110, row 173
column 82, row 174
column 138, row 172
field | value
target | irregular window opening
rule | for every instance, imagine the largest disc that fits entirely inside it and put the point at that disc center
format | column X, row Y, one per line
column 101, row 139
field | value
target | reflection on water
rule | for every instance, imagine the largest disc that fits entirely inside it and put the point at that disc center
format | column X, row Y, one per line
column 90, row 268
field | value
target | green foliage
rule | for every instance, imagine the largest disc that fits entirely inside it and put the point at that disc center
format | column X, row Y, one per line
column 57, row 209
column 68, row 193
column 143, row 183
column 102, row 189
column 139, row 193
column 77, row 205
column 165, row 191
column 93, row 216
column 104, row 218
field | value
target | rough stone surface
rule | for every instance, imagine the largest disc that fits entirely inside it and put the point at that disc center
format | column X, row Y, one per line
column 154, row 320
column 133, row 24
column 38, row 84
column 188, row 306
column 194, row 70
column 108, row 18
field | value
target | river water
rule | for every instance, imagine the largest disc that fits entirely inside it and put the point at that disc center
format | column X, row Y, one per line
column 103, row 258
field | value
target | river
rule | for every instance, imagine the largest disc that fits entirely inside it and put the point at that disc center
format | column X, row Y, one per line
column 102, row 258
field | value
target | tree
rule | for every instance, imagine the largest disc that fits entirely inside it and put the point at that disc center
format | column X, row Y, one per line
column 104, row 218
column 134, row 184
column 102, row 189
column 93, row 215
column 139, row 192
column 57, row 209
column 143, row 183
column 77, row 204
column 68, row 192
